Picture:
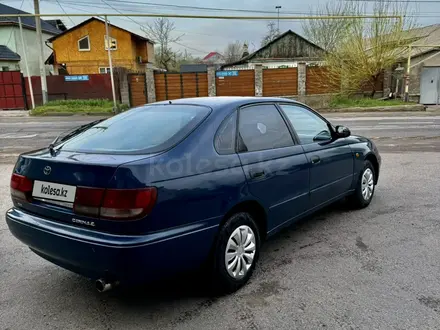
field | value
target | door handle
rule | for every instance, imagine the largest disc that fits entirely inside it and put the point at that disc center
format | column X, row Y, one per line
column 315, row 160
column 256, row 174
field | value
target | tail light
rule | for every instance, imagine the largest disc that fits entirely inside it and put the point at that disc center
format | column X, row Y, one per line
column 21, row 187
column 115, row 204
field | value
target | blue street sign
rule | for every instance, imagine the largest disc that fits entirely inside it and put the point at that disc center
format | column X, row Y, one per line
column 76, row 78
column 229, row 73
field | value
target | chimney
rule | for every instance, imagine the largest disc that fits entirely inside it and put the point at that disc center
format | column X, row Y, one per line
column 245, row 50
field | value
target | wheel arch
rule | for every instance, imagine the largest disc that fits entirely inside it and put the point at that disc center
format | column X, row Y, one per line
column 255, row 209
column 373, row 160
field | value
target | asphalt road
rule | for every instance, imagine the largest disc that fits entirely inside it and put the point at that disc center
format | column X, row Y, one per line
column 392, row 132
column 376, row 268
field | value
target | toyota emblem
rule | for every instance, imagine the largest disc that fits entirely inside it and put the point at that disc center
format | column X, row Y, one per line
column 47, row 170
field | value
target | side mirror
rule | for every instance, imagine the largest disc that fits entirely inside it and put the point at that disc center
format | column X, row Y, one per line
column 342, row 131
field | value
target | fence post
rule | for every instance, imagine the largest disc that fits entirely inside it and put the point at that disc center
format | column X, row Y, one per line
column 124, row 89
column 212, row 91
column 151, row 87
column 258, row 79
column 302, row 78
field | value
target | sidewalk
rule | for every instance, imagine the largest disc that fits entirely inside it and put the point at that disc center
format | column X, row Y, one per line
column 433, row 110
column 14, row 113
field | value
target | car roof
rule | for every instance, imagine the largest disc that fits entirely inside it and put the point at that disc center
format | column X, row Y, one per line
column 219, row 102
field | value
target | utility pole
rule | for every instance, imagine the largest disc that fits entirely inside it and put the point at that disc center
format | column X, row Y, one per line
column 408, row 71
column 110, row 64
column 31, row 90
column 278, row 9
column 40, row 51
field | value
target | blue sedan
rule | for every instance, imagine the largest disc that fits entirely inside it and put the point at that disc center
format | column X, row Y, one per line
column 171, row 186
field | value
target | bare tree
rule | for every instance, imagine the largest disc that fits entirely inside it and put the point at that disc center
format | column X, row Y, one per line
column 364, row 48
column 161, row 32
column 233, row 51
column 271, row 34
column 327, row 33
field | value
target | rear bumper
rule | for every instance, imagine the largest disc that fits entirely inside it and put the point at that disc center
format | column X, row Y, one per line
column 114, row 257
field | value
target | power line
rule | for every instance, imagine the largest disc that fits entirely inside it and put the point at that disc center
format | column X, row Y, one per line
column 184, row 7
column 87, row 4
column 71, row 20
column 129, row 20
column 415, row 1
column 143, row 26
column 10, row 34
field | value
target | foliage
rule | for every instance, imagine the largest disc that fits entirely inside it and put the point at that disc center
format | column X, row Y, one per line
column 271, row 34
column 78, row 107
column 363, row 48
column 349, row 102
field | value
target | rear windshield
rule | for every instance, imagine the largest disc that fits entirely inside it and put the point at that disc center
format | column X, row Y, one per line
column 147, row 129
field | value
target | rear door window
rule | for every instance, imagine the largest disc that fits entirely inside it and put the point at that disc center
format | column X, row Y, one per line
column 147, row 129
column 261, row 127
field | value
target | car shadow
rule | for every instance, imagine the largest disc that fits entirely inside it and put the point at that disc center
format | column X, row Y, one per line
column 195, row 286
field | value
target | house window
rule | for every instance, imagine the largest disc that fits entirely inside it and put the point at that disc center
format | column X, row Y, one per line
column 104, row 70
column 5, row 68
column 84, row 44
column 113, row 43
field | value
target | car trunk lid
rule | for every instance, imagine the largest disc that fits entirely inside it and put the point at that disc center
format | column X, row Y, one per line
column 57, row 182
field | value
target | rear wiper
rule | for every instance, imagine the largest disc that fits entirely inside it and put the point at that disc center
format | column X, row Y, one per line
column 74, row 132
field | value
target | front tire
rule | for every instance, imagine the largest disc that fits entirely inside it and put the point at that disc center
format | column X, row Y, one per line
column 365, row 187
column 236, row 253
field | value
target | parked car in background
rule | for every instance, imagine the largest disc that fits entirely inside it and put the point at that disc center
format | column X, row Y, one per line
column 170, row 186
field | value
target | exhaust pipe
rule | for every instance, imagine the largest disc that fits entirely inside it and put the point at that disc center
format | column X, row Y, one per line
column 103, row 286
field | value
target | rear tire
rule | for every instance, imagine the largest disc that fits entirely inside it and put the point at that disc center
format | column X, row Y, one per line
column 365, row 187
column 236, row 253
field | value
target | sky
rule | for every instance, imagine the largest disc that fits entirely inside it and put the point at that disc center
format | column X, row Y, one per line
column 201, row 36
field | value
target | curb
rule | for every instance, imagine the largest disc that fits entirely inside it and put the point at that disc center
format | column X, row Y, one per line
column 391, row 108
column 70, row 114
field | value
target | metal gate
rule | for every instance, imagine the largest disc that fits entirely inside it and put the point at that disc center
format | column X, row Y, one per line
column 138, row 89
column 241, row 84
column 430, row 85
column 12, row 90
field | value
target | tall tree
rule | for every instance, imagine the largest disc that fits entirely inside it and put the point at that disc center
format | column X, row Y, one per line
column 271, row 34
column 327, row 33
column 161, row 32
column 362, row 48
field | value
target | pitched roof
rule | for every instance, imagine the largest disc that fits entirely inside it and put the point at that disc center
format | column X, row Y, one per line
column 137, row 36
column 211, row 54
column 57, row 23
column 28, row 22
column 8, row 55
column 427, row 35
column 252, row 55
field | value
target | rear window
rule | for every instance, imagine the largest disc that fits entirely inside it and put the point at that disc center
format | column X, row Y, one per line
column 142, row 130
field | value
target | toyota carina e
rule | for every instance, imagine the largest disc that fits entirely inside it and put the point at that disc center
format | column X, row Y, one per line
column 170, row 186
